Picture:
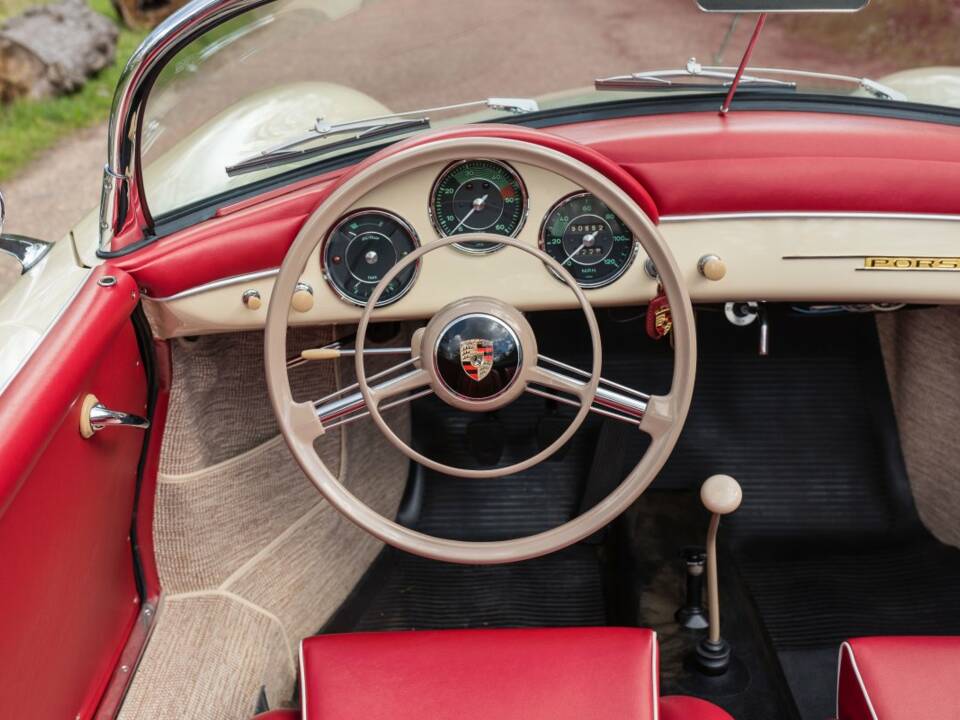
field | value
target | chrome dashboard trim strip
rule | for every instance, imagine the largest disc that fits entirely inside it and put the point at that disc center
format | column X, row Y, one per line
column 808, row 215
column 215, row 285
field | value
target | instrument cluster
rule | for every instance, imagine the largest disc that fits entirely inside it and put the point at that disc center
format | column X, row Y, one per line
column 468, row 196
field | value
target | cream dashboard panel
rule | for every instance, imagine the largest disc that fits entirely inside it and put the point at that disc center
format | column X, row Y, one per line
column 779, row 258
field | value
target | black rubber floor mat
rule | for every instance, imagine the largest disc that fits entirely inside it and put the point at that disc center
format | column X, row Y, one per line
column 403, row 592
column 827, row 540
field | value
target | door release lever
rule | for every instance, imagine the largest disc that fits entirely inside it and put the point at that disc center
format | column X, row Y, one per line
column 95, row 416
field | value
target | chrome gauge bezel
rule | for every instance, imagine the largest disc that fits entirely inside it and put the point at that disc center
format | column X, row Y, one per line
column 524, row 200
column 346, row 218
column 541, row 243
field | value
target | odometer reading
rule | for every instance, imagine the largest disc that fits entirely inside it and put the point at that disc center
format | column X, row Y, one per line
column 478, row 196
column 591, row 243
column 361, row 248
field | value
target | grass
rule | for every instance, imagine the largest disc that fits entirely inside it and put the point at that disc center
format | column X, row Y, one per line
column 27, row 127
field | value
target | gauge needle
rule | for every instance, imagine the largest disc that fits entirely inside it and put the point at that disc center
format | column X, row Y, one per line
column 587, row 242
column 570, row 256
column 478, row 204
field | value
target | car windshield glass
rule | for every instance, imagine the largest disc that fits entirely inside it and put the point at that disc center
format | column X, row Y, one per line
column 226, row 103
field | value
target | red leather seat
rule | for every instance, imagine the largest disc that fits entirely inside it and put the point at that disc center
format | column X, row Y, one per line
column 549, row 674
column 899, row 678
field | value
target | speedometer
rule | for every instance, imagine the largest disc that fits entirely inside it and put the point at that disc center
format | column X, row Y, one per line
column 478, row 196
column 587, row 238
column 361, row 248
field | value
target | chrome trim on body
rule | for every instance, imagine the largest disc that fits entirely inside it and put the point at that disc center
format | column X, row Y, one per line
column 102, row 417
column 216, row 285
column 121, row 171
column 26, row 250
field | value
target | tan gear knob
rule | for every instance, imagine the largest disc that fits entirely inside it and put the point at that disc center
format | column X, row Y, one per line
column 721, row 494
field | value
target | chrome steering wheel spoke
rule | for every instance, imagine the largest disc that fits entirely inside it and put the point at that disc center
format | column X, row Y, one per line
column 346, row 405
column 612, row 400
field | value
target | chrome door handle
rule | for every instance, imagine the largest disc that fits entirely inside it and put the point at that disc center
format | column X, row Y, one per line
column 95, row 416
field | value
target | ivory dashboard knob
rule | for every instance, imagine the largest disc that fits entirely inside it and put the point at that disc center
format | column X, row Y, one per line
column 252, row 300
column 302, row 300
column 721, row 494
column 712, row 267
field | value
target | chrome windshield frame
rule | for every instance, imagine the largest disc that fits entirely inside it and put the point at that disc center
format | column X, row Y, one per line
column 122, row 172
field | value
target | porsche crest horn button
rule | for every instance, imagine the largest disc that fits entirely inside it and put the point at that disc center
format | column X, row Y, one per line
column 476, row 356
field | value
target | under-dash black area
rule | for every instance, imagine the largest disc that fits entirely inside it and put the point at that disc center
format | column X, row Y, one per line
column 827, row 541
column 403, row 592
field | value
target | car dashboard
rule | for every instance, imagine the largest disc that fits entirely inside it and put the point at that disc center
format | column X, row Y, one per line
column 826, row 243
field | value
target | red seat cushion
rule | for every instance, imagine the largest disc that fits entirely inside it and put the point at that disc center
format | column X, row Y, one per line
column 278, row 715
column 549, row 674
column 899, row 678
column 681, row 707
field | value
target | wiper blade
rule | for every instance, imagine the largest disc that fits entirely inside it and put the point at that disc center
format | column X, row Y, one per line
column 687, row 78
column 664, row 80
column 878, row 90
column 363, row 131
column 362, row 134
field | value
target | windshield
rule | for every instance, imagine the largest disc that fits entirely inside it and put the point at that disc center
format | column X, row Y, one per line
column 276, row 74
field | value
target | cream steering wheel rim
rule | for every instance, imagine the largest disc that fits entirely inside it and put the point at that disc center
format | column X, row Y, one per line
column 664, row 417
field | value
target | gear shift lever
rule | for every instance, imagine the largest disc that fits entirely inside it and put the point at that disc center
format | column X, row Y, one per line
column 721, row 495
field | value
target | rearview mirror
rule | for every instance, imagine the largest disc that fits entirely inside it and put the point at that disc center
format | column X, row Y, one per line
column 781, row 6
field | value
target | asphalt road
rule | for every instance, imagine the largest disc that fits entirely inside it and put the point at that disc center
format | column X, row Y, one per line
column 416, row 53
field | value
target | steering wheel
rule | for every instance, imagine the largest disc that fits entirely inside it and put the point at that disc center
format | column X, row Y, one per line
column 478, row 354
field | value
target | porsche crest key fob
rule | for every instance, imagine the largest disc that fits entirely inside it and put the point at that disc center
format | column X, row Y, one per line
column 659, row 319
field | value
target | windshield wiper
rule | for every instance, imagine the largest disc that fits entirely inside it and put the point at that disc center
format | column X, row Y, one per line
column 363, row 131
column 687, row 79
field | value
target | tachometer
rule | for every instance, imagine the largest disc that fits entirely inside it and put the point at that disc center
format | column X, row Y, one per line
column 478, row 196
column 359, row 251
column 581, row 233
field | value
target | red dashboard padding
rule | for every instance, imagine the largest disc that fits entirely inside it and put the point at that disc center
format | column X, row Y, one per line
column 530, row 674
column 772, row 161
column 899, row 678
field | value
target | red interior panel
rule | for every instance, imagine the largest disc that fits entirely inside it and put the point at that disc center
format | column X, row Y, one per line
column 68, row 598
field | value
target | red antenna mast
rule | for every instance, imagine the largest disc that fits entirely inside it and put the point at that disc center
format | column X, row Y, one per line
column 744, row 61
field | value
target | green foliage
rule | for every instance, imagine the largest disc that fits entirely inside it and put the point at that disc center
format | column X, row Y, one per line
column 28, row 127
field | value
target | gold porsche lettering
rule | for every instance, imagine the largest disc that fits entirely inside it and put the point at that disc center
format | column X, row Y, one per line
column 911, row 263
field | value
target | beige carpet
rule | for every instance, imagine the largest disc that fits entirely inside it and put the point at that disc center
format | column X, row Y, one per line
column 921, row 349
column 251, row 558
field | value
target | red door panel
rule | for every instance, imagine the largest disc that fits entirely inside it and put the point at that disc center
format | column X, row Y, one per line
column 68, row 595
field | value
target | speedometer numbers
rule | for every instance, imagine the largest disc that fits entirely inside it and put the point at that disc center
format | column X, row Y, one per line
column 361, row 248
column 591, row 243
column 478, row 196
